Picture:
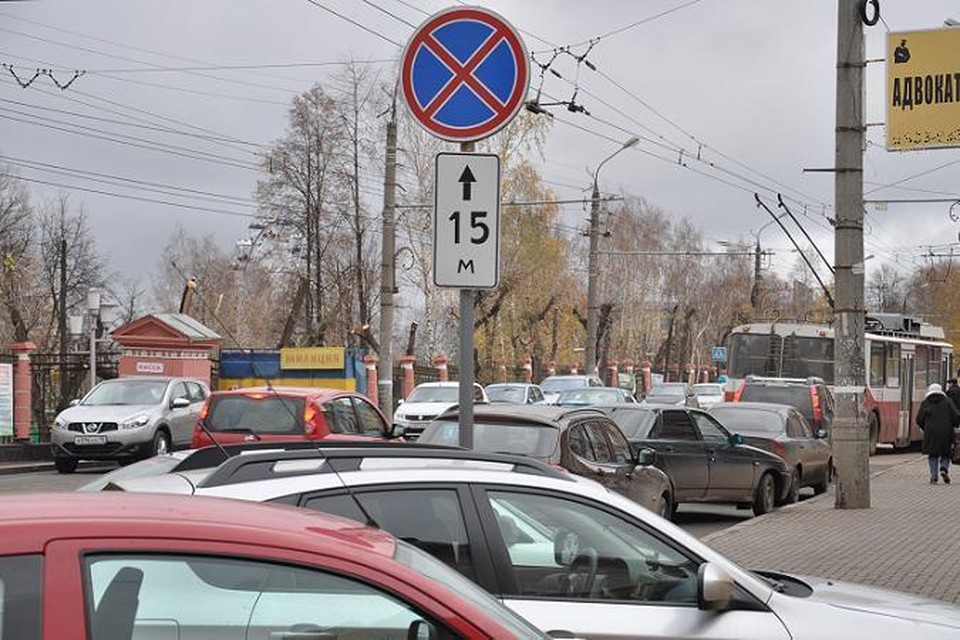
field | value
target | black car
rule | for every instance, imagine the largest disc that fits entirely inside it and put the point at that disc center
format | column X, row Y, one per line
column 705, row 462
column 583, row 441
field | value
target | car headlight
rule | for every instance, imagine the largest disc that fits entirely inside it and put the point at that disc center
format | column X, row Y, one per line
column 135, row 422
column 60, row 423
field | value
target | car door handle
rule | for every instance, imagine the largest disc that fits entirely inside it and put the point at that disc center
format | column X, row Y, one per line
column 668, row 448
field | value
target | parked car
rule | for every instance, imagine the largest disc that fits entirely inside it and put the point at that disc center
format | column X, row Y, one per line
column 117, row 566
column 705, row 462
column 571, row 556
column 594, row 395
column 810, row 396
column 584, row 442
column 127, row 419
column 553, row 385
column 277, row 414
column 674, row 393
column 708, row 394
column 514, row 393
column 782, row 430
column 427, row 401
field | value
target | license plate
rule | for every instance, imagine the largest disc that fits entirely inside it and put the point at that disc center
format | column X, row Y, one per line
column 90, row 440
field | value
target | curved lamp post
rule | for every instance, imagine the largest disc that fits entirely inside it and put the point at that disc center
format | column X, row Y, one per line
column 593, row 269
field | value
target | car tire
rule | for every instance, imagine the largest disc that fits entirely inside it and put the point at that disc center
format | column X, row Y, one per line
column 667, row 508
column 765, row 495
column 161, row 443
column 65, row 465
column 874, row 436
column 824, row 484
column 793, row 494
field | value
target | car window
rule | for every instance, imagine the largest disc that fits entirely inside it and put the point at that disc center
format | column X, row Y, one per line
column 478, row 395
column 601, row 446
column 635, row 423
column 538, row 441
column 256, row 413
column 505, row 394
column 20, row 597
column 128, row 391
column 551, row 542
column 340, row 416
column 195, row 597
column 434, row 394
column 674, row 425
column 195, row 392
column 710, row 431
column 798, row 427
column 536, row 395
column 430, row 519
column 179, row 390
column 619, row 447
column 744, row 421
column 580, row 442
column 798, row 396
column 371, row 423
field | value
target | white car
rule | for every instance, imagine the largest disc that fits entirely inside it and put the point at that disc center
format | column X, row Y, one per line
column 570, row 556
column 708, row 394
column 426, row 402
column 553, row 386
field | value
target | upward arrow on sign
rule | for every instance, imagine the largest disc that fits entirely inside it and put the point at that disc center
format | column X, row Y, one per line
column 467, row 180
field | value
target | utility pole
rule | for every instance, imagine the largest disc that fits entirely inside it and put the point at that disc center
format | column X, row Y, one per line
column 593, row 276
column 388, row 270
column 849, row 431
column 755, row 291
column 62, row 324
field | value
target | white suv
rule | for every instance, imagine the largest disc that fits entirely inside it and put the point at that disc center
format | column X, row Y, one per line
column 426, row 402
column 572, row 557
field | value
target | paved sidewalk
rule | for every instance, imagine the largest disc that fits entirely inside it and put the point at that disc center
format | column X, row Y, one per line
column 909, row 540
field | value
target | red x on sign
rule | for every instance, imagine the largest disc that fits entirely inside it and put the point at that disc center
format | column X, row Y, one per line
column 464, row 74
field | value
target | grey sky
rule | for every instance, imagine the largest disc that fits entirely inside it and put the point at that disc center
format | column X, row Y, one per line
column 749, row 84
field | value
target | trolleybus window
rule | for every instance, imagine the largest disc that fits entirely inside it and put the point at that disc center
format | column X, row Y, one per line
column 806, row 357
column 752, row 354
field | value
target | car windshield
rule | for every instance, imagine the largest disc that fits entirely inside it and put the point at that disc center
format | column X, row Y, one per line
column 748, row 421
column 588, row 396
column 256, row 413
column 505, row 394
column 533, row 440
column 554, row 385
column 434, row 394
column 425, row 564
column 677, row 390
column 707, row 390
column 636, row 423
column 126, row 392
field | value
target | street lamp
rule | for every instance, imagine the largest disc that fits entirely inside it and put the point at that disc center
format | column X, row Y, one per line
column 93, row 309
column 593, row 269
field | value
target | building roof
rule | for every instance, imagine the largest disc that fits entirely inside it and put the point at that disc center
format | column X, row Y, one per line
column 188, row 326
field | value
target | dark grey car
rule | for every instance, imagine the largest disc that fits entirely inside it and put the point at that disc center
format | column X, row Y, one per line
column 704, row 461
column 783, row 430
column 582, row 441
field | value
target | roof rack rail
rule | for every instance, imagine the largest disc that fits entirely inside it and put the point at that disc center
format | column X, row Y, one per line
column 260, row 465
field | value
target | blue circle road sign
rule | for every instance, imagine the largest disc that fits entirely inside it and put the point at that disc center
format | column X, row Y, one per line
column 464, row 73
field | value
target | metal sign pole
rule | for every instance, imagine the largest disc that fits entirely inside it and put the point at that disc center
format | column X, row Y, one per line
column 466, row 352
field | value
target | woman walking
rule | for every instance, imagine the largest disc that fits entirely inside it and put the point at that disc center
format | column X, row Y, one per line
column 937, row 418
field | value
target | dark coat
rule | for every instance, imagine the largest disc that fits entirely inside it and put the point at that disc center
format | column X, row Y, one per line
column 954, row 394
column 937, row 417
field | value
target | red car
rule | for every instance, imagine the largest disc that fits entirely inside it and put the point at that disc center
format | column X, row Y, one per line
column 283, row 414
column 117, row 566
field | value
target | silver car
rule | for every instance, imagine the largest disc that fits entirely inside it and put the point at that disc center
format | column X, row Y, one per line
column 127, row 419
column 569, row 555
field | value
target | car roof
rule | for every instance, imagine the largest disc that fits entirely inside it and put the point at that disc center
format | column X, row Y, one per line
column 544, row 414
column 299, row 392
column 118, row 514
column 755, row 406
column 447, row 383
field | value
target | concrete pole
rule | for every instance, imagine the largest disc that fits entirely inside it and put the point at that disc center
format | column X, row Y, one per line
column 467, row 297
column 849, row 431
column 593, row 276
column 388, row 273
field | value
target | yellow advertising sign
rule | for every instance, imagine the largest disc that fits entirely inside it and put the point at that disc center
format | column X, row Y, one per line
column 923, row 89
column 312, row 358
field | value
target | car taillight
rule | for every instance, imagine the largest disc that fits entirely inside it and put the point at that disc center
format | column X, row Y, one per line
column 817, row 410
column 779, row 449
column 738, row 393
column 204, row 411
column 309, row 418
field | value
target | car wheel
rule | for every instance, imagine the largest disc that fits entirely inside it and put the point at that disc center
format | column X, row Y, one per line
column 874, row 434
column 667, row 509
column 161, row 443
column 765, row 495
column 824, row 484
column 793, row 495
column 65, row 465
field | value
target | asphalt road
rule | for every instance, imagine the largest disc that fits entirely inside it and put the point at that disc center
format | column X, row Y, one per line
column 700, row 520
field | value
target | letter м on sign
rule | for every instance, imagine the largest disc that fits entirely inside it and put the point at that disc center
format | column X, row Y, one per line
column 466, row 221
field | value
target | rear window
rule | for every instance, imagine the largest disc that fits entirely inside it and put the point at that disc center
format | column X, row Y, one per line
column 535, row 441
column 677, row 390
column 636, row 423
column 749, row 422
column 434, row 394
column 798, row 396
column 256, row 414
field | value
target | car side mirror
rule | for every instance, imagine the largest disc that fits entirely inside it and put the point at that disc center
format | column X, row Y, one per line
column 399, row 402
column 396, row 431
column 179, row 403
column 646, row 457
column 418, row 630
column 714, row 587
column 822, row 434
column 75, row 402
column 736, row 439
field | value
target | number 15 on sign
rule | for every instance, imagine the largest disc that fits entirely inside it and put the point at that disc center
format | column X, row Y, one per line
column 466, row 221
